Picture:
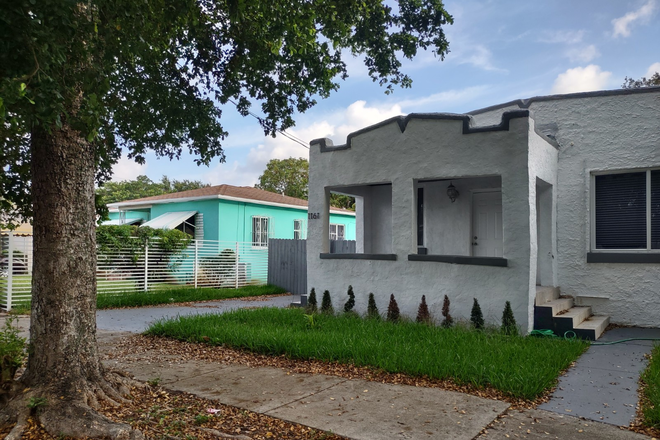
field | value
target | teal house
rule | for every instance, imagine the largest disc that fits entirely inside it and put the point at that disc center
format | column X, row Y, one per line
column 229, row 213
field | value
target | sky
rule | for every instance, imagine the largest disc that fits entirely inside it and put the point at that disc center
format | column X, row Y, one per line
column 500, row 50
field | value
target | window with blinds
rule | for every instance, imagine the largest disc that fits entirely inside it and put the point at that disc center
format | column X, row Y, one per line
column 297, row 229
column 627, row 210
column 337, row 231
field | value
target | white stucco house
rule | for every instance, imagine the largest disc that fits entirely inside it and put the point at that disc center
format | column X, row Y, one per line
column 553, row 194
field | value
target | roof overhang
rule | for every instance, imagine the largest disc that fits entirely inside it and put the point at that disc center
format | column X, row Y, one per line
column 119, row 221
column 148, row 203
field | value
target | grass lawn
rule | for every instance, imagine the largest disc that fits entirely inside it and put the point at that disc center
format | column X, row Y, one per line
column 651, row 395
column 181, row 294
column 167, row 295
column 521, row 367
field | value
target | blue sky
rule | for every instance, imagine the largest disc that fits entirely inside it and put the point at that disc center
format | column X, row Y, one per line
column 500, row 50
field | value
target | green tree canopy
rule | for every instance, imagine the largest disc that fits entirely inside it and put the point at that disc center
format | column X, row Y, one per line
column 82, row 80
column 630, row 83
column 143, row 186
column 291, row 178
column 286, row 176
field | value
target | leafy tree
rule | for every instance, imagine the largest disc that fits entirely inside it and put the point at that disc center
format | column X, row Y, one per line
column 348, row 307
column 326, row 303
column 476, row 317
column 143, row 186
column 286, row 176
column 447, row 320
column 372, row 308
column 312, row 302
column 291, row 178
column 393, row 314
column 630, row 83
column 80, row 80
column 423, row 314
column 509, row 325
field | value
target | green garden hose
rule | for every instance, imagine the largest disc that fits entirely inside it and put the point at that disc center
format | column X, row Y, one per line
column 625, row 340
column 571, row 335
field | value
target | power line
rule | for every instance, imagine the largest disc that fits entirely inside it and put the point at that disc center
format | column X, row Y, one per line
column 289, row 136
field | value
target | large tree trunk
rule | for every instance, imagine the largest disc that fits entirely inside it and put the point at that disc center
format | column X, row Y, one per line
column 64, row 366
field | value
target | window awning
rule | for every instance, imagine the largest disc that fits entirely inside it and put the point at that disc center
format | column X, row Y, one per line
column 119, row 221
column 169, row 220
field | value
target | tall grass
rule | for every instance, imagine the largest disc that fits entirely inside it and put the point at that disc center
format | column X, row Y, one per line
column 518, row 366
column 651, row 398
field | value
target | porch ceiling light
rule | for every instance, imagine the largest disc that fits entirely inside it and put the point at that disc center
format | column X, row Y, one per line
column 452, row 192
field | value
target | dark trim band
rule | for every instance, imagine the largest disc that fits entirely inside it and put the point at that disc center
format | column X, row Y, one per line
column 391, row 257
column 622, row 257
column 460, row 259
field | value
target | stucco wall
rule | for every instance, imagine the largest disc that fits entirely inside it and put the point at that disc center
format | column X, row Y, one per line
column 599, row 132
column 428, row 148
column 447, row 225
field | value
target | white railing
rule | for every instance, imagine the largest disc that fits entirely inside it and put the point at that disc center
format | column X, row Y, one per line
column 204, row 263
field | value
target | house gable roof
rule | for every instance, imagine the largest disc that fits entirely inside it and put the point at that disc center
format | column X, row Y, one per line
column 526, row 103
column 227, row 192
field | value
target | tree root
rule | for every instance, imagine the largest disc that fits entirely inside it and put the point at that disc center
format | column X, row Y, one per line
column 72, row 414
column 79, row 420
column 17, row 431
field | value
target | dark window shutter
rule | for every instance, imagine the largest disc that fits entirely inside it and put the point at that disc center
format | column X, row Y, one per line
column 655, row 209
column 621, row 211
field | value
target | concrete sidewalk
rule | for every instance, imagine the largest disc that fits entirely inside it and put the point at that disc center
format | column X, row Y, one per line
column 359, row 409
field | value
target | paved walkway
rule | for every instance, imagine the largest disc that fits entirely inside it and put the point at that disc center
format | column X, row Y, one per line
column 602, row 385
column 137, row 320
column 353, row 408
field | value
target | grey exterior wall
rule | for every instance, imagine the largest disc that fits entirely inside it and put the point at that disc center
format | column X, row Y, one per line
column 400, row 151
column 602, row 131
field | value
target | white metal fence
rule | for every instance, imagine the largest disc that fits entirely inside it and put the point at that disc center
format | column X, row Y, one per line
column 204, row 263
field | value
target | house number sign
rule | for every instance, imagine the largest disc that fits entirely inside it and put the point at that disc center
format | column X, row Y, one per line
column 313, row 215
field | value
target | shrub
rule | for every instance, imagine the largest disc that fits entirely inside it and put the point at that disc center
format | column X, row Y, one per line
column 476, row 317
column 326, row 304
column 393, row 314
column 348, row 307
column 447, row 321
column 423, row 314
column 509, row 325
column 372, row 308
column 312, row 303
column 11, row 352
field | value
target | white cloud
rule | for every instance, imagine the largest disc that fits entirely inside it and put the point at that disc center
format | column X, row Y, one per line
column 337, row 126
column 583, row 54
column 622, row 25
column 449, row 97
column 479, row 56
column 581, row 79
column 127, row 169
column 566, row 37
column 653, row 68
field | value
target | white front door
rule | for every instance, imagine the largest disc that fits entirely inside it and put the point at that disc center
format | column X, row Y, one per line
column 486, row 237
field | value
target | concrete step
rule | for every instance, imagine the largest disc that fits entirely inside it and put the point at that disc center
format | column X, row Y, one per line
column 593, row 327
column 574, row 316
column 558, row 305
column 545, row 294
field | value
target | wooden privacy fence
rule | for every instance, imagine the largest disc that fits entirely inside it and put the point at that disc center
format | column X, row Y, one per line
column 342, row 246
column 287, row 264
